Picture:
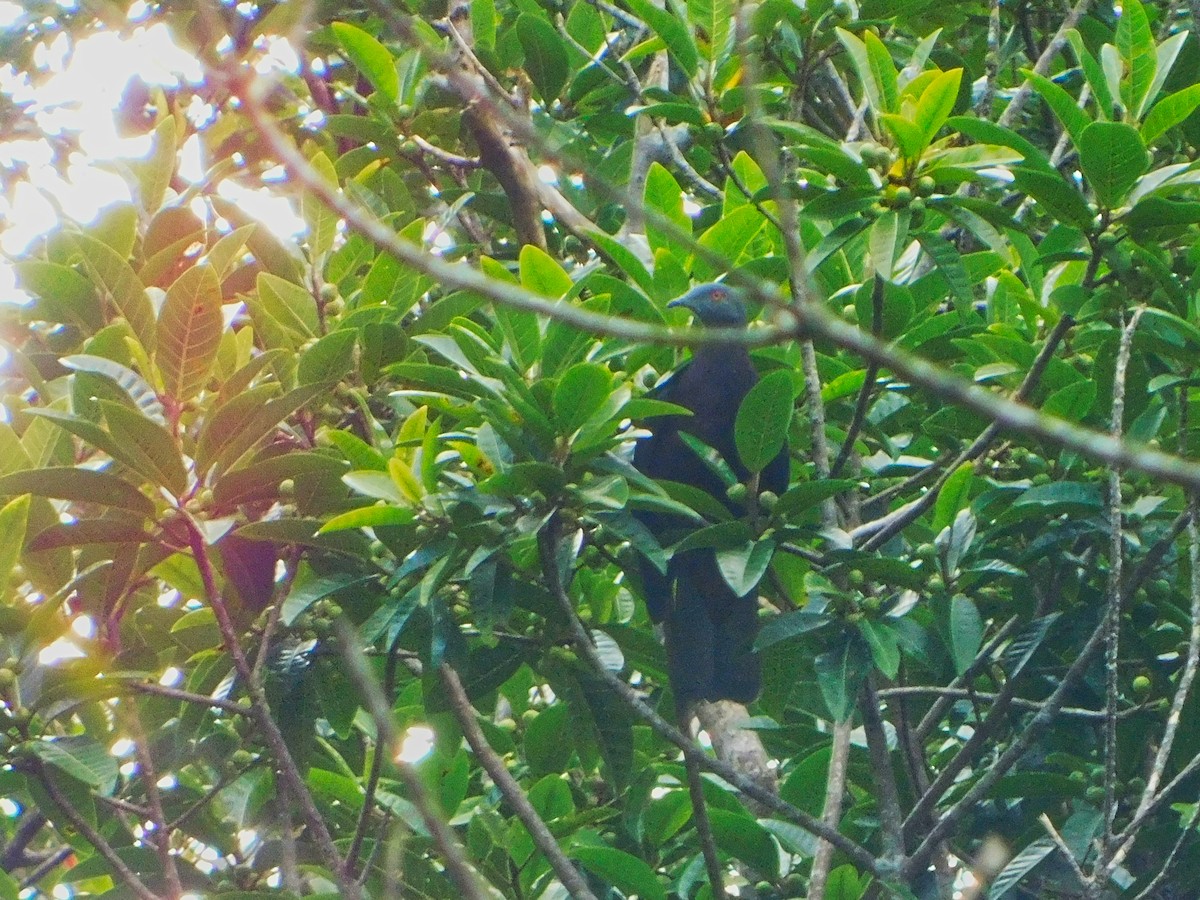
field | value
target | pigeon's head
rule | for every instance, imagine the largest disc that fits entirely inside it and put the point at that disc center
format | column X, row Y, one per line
column 715, row 305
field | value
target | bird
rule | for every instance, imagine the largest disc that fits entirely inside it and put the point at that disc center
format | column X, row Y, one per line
column 709, row 630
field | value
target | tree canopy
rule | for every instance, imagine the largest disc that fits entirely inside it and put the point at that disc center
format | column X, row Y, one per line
column 321, row 559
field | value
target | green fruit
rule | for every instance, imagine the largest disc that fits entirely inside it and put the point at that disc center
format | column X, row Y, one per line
column 1095, row 794
column 904, row 196
column 767, row 500
column 1040, row 478
column 1141, row 685
column 7, row 678
column 925, row 551
column 329, row 292
column 737, row 493
column 926, row 186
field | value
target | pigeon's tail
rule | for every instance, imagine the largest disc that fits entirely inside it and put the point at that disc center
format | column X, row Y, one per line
column 710, row 635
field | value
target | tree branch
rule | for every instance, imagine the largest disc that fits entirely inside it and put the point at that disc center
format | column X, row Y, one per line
column 570, row 877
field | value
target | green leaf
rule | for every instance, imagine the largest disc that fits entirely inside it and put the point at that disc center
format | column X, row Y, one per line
column 1074, row 119
column 1072, row 402
column 984, row 132
column 861, row 60
column 1165, row 55
column 808, row 494
column 136, row 388
column 13, row 518
column 64, row 295
column 81, row 758
column 580, row 392
column 1112, row 157
column 743, row 567
column 729, row 237
column 1170, row 111
column 840, row 674
column 760, row 429
column 883, row 70
column 1060, row 199
column 1135, row 41
column 149, row 444
column 955, row 495
column 664, row 196
column 117, row 282
column 715, row 19
column 370, row 57
column 289, row 304
column 622, row 870
column 545, row 56
column 888, row 234
column 329, row 359
column 885, row 649
column 80, row 485
column 789, row 625
column 1093, row 73
column 966, row 632
column 671, row 27
column 189, row 332
column 368, row 517
column 743, row 838
column 627, row 261
column 322, row 221
column 1071, row 493
column 241, row 424
column 910, row 139
column 1020, row 866
column 154, row 173
column 542, row 274
column 937, row 102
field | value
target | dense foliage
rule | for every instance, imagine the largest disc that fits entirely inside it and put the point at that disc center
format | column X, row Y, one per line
column 301, row 504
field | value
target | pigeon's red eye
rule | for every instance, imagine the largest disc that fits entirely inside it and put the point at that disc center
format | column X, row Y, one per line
column 718, row 296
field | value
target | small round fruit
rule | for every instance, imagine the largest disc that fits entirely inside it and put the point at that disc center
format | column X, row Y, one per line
column 926, row 186
column 767, row 500
column 737, row 493
column 1141, row 685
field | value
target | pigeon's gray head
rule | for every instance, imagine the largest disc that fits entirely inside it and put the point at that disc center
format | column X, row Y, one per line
column 715, row 305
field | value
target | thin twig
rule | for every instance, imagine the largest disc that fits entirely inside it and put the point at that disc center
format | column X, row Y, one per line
column 991, row 65
column 1116, row 554
column 891, row 819
column 702, row 821
column 1042, row 66
column 831, row 811
column 858, row 854
column 1064, row 849
column 1043, row 720
column 989, row 697
column 260, row 712
column 162, row 837
column 868, row 389
column 882, row 530
column 1192, row 662
column 161, row 690
column 465, row 878
column 97, row 840
column 460, row 704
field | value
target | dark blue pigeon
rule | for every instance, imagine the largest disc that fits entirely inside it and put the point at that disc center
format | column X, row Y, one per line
column 709, row 629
